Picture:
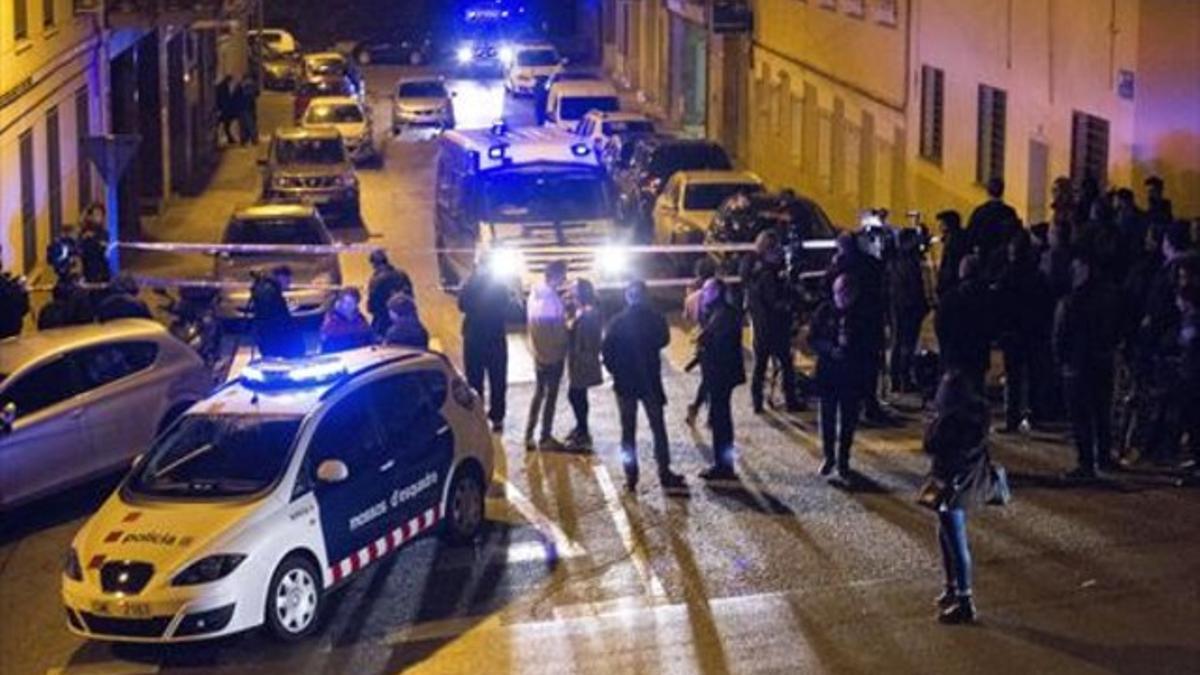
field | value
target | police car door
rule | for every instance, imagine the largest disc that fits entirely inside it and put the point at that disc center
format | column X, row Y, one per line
column 410, row 408
column 355, row 512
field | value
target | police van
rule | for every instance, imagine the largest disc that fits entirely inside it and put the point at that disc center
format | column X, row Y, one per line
column 283, row 484
column 521, row 192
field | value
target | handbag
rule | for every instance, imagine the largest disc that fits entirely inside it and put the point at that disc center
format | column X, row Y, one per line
column 1001, row 492
column 935, row 493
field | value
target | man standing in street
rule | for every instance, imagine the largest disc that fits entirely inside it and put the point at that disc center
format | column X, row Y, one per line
column 991, row 225
column 485, row 301
column 909, row 305
column 14, row 303
column 1086, row 333
column 385, row 282
column 248, row 110
column 546, row 319
column 964, row 332
column 955, row 247
column 632, row 346
column 767, row 298
column 720, row 355
column 274, row 328
column 1158, row 208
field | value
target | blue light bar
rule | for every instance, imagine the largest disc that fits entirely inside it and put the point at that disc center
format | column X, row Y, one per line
column 580, row 150
column 292, row 373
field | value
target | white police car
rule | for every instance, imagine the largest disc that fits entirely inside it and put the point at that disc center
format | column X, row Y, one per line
column 281, row 485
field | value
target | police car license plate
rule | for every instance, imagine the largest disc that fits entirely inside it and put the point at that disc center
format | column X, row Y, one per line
column 127, row 609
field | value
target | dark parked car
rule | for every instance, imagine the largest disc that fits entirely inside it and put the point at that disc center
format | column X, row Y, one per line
column 411, row 47
column 654, row 161
column 320, row 87
column 312, row 166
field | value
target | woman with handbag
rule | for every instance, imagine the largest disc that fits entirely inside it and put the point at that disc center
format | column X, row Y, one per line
column 959, row 478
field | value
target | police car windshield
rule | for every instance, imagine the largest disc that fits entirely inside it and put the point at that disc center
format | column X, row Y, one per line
column 575, row 107
column 709, row 197
column 310, row 151
column 523, row 197
column 537, row 57
column 214, row 456
column 333, row 114
column 422, row 90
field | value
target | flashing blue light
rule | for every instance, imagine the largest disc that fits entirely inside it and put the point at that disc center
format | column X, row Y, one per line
column 500, row 128
column 497, row 152
column 580, row 150
column 273, row 373
column 464, row 54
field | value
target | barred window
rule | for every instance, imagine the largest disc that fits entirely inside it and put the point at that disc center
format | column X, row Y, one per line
column 933, row 82
column 993, row 106
column 1089, row 148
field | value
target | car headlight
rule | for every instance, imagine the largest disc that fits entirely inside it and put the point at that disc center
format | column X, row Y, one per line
column 506, row 263
column 71, row 567
column 463, row 54
column 208, row 569
column 283, row 182
column 507, row 56
column 612, row 261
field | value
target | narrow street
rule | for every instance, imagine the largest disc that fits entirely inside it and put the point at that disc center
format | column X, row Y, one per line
column 784, row 573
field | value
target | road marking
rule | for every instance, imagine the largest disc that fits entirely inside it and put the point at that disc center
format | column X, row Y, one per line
column 637, row 553
column 555, row 540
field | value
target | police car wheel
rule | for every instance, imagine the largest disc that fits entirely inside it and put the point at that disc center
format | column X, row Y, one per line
column 294, row 599
column 465, row 508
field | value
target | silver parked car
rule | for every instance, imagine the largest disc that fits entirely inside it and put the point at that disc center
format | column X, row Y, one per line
column 78, row 402
column 275, row 224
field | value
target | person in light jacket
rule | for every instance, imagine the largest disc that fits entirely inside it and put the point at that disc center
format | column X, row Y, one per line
column 583, row 361
column 546, row 320
column 955, row 440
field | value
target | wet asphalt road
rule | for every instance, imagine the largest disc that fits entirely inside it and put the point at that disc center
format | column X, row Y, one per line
column 783, row 573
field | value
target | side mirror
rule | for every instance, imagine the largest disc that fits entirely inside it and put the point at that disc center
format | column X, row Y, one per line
column 333, row 471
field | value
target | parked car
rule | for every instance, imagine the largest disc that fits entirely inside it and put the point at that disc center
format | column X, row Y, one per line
column 685, row 209
column 403, row 46
column 277, row 39
column 311, row 165
column 82, row 401
column 617, row 152
column 266, row 497
column 323, row 85
column 422, row 102
column 280, row 71
column 351, row 119
column 298, row 224
column 654, row 161
column 530, row 66
column 568, row 102
column 336, row 64
column 597, row 126
column 573, row 76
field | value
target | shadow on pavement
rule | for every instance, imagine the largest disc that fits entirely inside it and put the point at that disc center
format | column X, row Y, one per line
column 74, row 503
column 1117, row 658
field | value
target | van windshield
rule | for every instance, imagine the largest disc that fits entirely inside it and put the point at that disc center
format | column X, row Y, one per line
column 524, row 197
column 575, row 107
column 310, row 151
column 217, row 456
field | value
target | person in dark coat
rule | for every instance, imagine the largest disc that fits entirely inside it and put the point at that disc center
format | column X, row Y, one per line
column 909, row 305
column 840, row 336
column 1025, row 315
column 963, row 324
column 1158, row 208
column 585, row 328
column 274, row 329
column 768, row 300
column 226, row 112
column 632, row 348
column 69, row 305
column 14, row 304
column 869, row 277
column 122, row 301
column 719, row 350
column 385, row 282
column 956, row 245
column 405, row 328
column 93, row 246
column 344, row 326
column 485, row 301
column 956, row 442
column 1187, row 393
column 992, row 224
column 1086, row 333
column 248, row 110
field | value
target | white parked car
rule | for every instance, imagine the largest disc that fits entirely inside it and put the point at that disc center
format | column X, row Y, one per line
column 281, row 486
column 598, row 127
column 690, row 199
column 279, row 40
column 530, row 65
column 351, row 119
column 422, row 102
column 569, row 101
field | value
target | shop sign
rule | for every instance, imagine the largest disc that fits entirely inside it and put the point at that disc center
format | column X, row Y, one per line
column 732, row 17
column 689, row 10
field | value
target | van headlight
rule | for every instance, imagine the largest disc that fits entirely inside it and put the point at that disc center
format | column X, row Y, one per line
column 612, row 261
column 208, row 569
column 506, row 263
column 463, row 54
column 71, row 567
column 507, row 55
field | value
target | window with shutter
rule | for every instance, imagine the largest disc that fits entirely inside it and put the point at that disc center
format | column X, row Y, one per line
column 1089, row 148
column 993, row 105
column 932, row 114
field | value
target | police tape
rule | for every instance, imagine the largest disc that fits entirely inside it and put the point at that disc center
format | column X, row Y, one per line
column 336, row 249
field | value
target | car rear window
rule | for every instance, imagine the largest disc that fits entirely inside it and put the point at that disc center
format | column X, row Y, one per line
column 310, row 151
column 282, row 231
column 326, row 88
column 709, row 197
column 698, row 157
column 333, row 114
column 422, row 90
column 628, row 126
column 575, row 107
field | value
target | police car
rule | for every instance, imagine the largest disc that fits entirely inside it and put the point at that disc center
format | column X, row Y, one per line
column 283, row 484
